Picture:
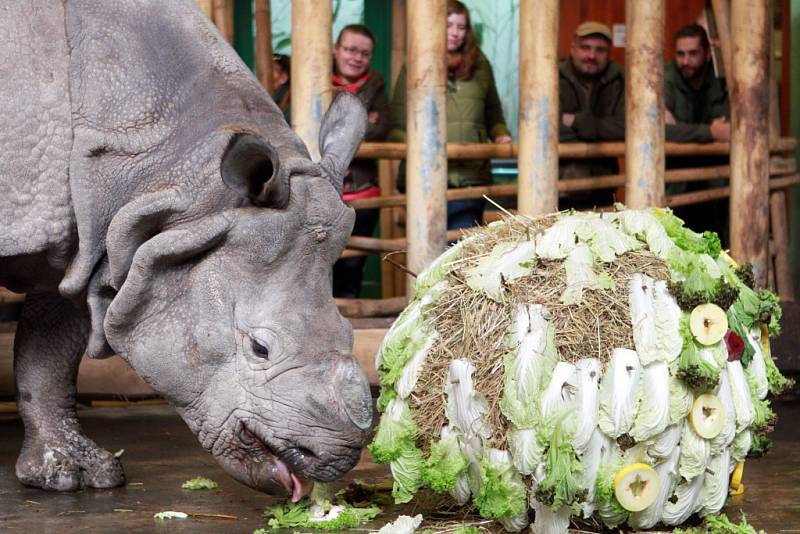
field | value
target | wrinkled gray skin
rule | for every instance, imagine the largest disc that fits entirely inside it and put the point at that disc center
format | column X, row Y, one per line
column 154, row 203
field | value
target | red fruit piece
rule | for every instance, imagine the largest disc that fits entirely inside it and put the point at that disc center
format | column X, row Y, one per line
column 735, row 345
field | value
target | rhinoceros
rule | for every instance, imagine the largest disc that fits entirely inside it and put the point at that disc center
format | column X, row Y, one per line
column 155, row 204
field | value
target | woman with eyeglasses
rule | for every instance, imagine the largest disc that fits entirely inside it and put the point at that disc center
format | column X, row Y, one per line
column 474, row 113
column 351, row 72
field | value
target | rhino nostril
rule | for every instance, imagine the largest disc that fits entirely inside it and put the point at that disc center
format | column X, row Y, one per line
column 355, row 396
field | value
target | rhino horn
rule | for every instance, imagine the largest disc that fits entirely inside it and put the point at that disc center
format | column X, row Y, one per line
column 340, row 133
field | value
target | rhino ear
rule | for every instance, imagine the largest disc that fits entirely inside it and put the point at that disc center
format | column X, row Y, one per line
column 158, row 274
column 248, row 166
column 341, row 132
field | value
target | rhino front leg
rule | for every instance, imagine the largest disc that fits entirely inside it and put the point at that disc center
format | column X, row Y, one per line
column 50, row 340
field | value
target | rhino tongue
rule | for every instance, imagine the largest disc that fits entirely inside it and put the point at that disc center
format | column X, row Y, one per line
column 301, row 487
column 295, row 486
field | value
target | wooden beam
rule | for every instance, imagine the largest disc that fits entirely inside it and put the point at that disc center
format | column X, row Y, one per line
column 371, row 307
column 565, row 150
column 778, row 166
column 311, row 69
column 644, row 103
column 112, row 377
column 749, row 212
column 398, row 38
column 223, row 18
column 538, row 107
column 722, row 18
column 264, row 45
column 426, row 124
column 386, row 221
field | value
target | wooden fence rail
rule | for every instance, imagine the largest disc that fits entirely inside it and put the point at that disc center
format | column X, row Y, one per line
column 778, row 166
column 565, row 150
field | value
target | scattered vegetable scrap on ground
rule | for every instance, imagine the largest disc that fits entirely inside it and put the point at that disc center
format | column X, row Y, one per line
column 721, row 525
column 199, row 483
column 321, row 510
column 161, row 516
column 605, row 368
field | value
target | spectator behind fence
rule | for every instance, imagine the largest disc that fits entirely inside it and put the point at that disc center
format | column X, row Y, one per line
column 474, row 114
column 281, row 76
column 351, row 72
column 697, row 110
column 592, row 108
column 696, row 101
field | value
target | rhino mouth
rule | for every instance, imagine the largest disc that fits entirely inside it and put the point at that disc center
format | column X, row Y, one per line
column 285, row 465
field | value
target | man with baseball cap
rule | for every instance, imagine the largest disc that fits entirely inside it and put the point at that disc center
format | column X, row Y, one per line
column 592, row 106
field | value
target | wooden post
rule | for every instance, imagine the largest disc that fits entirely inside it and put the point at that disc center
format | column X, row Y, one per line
column 784, row 281
column 398, row 37
column 538, row 107
column 426, row 124
column 395, row 285
column 749, row 212
column 722, row 18
column 644, row 103
column 223, row 18
column 312, row 58
column 264, row 45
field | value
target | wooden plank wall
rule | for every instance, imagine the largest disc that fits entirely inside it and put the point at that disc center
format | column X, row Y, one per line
column 610, row 12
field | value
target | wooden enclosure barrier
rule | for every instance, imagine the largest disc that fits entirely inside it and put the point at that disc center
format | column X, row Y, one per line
column 311, row 69
column 264, row 45
column 749, row 211
column 538, row 107
column 426, row 127
column 644, row 103
column 606, row 149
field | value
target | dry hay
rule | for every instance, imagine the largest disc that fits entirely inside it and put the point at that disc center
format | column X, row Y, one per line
column 474, row 327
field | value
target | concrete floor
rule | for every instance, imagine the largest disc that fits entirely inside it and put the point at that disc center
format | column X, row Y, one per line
column 160, row 454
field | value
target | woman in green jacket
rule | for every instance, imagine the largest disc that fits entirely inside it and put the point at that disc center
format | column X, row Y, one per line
column 474, row 114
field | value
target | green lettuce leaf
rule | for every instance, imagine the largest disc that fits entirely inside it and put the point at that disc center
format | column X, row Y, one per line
column 688, row 240
column 502, row 492
column 395, row 432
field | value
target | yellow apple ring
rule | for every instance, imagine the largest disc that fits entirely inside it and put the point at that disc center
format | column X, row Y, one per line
column 636, row 486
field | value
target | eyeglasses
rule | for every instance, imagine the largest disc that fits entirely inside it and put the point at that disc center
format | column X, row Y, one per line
column 356, row 52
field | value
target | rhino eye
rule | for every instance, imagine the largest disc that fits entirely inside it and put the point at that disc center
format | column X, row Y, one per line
column 259, row 349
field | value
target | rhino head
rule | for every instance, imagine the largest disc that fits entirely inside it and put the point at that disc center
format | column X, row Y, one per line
column 232, row 319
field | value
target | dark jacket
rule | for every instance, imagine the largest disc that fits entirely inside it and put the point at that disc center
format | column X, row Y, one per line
column 603, row 120
column 364, row 172
column 474, row 115
column 693, row 109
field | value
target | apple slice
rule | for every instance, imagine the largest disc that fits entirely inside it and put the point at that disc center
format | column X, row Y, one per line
column 707, row 416
column 708, row 323
column 636, row 486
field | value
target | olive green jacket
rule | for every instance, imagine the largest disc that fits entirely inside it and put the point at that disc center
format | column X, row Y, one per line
column 693, row 109
column 474, row 115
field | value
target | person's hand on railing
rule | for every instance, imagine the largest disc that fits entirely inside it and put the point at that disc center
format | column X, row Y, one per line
column 500, row 139
column 720, row 129
column 568, row 119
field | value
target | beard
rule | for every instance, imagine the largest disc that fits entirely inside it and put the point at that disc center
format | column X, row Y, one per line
column 691, row 73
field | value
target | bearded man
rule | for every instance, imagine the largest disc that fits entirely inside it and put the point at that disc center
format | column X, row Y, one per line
column 696, row 101
column 592, row 108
